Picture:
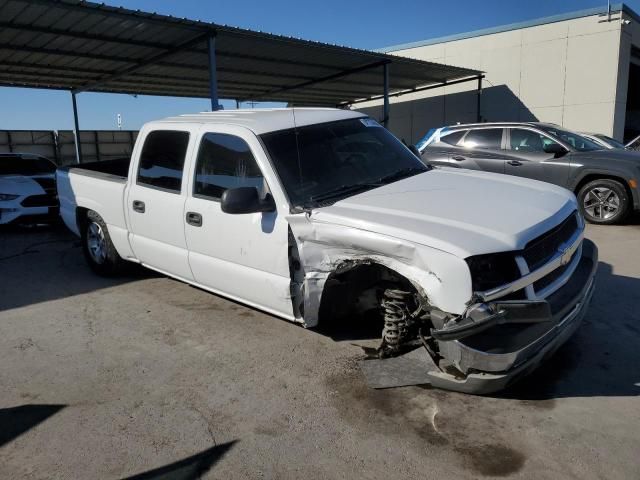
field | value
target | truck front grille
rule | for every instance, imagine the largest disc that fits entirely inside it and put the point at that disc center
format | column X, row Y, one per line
column 540, row 250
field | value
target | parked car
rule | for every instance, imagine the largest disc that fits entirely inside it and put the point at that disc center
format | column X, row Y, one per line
column 27, row 188
column 606, row 181
column 325, row 214
column 634, row 144
column 603, row 140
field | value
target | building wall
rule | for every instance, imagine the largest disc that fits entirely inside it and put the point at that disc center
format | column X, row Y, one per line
column 567, row 72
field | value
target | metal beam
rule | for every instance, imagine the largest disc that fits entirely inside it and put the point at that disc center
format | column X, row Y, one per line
column 213, row 73
column 385, row 104
column 143, row 63
column 326, row 78
column 413, row 90
column 76, row 129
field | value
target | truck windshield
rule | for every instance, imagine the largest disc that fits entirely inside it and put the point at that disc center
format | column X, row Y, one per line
column 322, row 163
column 578, row 142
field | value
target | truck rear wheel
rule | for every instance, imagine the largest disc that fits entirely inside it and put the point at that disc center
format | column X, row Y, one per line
column 98, row 248
column 604, row 201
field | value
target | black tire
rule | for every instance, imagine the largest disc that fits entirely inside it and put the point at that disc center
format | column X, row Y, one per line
column 98, row 248
column 604, row 201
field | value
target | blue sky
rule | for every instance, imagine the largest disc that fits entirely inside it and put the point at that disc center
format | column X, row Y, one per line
column 364, row 24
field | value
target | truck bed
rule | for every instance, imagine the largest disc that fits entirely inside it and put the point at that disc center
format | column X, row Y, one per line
column 118, row 167
column 98, row 186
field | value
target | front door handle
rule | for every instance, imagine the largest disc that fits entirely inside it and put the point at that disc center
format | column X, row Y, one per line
column 458, row 158
column 514, row 163
column 138, row 206
column 194, row 219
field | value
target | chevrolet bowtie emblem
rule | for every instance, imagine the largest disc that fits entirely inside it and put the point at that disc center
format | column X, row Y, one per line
column 565, row 255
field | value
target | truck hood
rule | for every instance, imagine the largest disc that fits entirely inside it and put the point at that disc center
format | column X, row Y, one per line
column 462, row 212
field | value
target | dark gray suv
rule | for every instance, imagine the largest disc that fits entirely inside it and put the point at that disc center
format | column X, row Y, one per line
column 606, row 182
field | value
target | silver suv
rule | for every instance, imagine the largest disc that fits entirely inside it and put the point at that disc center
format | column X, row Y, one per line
column 606, row 182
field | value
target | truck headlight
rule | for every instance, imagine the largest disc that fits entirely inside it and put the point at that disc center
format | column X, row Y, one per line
column 7, row 196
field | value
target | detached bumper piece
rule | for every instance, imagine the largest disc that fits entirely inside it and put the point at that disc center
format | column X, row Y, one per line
column 480, row 317
column 500, row 342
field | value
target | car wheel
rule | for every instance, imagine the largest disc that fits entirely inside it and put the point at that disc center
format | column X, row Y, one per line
column 98, row 248
column 604, row 201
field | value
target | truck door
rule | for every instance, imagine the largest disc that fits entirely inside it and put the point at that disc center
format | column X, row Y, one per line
column 528, row 159
column 155, row 203
column 243, row 256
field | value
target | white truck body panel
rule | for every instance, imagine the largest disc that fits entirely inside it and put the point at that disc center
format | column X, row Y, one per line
column 422, row 228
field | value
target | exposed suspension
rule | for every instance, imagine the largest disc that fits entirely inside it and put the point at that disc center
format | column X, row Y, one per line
column 396, row 306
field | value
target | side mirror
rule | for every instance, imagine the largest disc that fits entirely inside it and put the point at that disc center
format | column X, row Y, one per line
column 415, row 150
column 245, row 200
column 555, row 148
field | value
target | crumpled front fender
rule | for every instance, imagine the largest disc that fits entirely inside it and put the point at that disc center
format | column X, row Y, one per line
column 324, row 248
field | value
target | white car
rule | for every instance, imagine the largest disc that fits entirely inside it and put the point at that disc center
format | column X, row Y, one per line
column 27, row 188
column 318, row 214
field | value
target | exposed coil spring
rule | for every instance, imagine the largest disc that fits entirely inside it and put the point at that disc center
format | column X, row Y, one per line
column 396, row 319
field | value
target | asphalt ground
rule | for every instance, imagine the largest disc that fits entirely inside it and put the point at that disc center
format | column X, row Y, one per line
column 144, row 375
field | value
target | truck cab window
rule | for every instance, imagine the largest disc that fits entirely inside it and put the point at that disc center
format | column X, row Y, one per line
column 162, row 160
column 225, row 161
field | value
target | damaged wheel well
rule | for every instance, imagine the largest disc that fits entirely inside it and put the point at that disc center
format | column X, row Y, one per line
column 355, row 288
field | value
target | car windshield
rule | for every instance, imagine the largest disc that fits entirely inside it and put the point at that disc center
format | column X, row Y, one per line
column 578, row 142
column 611, row 141
column 323, row 163
column 15, row 165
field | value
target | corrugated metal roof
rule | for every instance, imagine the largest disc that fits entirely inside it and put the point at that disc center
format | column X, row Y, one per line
column 74, row 45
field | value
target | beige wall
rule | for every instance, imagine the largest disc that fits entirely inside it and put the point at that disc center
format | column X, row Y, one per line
column 565, row 72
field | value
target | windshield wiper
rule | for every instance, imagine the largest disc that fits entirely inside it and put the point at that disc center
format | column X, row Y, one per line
column 399, row 175
column 347, row 190
column 342, row 190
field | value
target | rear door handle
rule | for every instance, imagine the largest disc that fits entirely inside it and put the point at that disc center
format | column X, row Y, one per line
column 194, row 219
column 458, row 158
column 138, row 206
column 514, row 163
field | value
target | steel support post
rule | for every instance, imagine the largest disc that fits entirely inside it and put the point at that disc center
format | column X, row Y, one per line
column 76, row 129
column 478, row 97
column 213, row 73
column 385, row 107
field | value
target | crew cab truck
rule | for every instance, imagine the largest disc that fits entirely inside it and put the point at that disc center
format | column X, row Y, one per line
column 316, row 214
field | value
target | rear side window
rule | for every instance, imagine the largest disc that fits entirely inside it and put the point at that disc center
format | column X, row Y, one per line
column 484, row 139
column 225, row 161
column 162, row 160
column 453, row 138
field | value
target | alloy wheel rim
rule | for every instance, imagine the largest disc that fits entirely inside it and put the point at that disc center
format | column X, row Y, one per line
column 96, row 243
column 601, row 203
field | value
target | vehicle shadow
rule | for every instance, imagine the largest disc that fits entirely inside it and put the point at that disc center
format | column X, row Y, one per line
column 44, row 263
column 15, row 421
column 601, row 358
column 190, row 468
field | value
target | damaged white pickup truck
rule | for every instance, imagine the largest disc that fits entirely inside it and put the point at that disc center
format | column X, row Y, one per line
column 313, row 213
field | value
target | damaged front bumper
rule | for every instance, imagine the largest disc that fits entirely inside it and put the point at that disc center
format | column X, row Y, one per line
column 514, row 337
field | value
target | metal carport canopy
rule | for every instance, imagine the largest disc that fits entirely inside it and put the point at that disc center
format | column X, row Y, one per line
column 81, row 46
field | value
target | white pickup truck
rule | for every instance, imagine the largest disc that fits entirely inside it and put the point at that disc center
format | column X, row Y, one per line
column 317, row 214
